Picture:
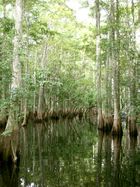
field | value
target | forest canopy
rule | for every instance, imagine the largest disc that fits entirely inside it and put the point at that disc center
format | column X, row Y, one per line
column 52, row 61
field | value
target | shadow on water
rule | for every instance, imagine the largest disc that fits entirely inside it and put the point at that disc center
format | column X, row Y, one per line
column 70, row 154
column 9, row 152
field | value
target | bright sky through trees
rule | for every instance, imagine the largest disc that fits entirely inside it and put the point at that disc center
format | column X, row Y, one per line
column 81, row 13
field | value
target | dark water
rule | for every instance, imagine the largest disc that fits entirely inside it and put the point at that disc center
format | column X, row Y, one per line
column 73, row 154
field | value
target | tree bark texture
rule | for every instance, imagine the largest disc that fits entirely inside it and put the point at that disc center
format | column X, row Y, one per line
column 41, row 99
column 98, row 65
column 117, row 129
column 133, row 80
column 16, row 67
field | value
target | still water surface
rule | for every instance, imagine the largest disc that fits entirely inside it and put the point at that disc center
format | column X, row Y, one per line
column 73, row 154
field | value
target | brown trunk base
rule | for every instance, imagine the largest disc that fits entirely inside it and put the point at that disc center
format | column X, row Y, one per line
column 133, row 132
column 9, row 147
column 117, row 128
column 24, row 123
column 108, row 123
column 40, row 116
column 25, row 120
column 12, row 123
column 57, row 115
column 100, row 121
column 107, row 127
column 117, row 132
column 3, row 122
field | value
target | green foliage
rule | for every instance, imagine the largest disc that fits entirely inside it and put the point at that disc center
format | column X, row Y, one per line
column 69, row 68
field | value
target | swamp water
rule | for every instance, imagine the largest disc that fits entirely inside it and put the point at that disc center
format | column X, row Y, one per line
column 72, row 154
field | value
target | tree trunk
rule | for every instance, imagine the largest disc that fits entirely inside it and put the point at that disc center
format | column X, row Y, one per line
column 98, row 64
column 116, row 159
column 99, row 158
column 117, row 129
column 25, row 109
column 132, row 109
column 41, row 99
column 2, row 87
column 16, row 71
column 133, row 94
column 108, row 118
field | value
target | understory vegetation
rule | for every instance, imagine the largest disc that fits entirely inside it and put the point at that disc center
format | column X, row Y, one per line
column 51, row 64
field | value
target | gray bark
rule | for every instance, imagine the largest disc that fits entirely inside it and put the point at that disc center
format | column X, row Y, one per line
column 41, row 99
column 16, row 66
column 98, row 65
column 117, row 129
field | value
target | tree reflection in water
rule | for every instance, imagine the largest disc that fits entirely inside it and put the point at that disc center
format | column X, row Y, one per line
column 72, row 153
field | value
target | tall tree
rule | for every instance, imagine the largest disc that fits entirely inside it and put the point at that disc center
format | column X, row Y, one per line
column 108, row 119
column 114, row 11
column 133, row 78
column 16, row 67
column 98, row 65
column 41, row 96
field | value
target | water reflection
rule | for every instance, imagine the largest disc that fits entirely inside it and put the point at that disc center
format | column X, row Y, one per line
column 116, row 162
column 71, row 154
column 9, row 146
